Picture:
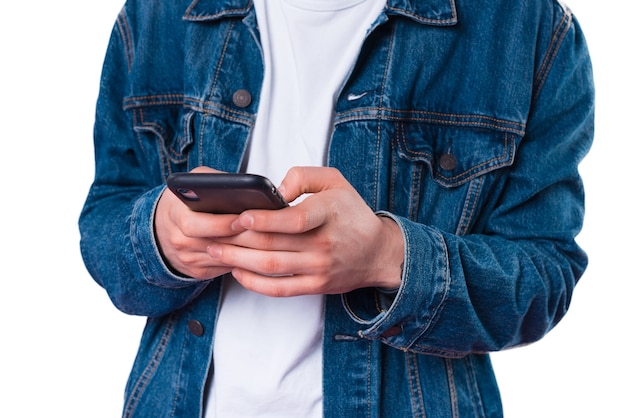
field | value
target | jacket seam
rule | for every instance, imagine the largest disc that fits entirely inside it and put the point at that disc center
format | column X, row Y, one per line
column 380, row 112
column 553, row 49
column 454, row 397
column 177, row 394
column 385, row 113
column 430, row 21
column 469, row 209
column 201, row 17
column 474, row 389
column 149, row 370
column 127, row 39
column 174, row 99
column 419, row 410
column 222, row 55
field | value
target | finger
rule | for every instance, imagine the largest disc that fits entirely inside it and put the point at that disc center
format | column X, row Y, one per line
column 266, row 241
column 195, row 224
column 304, row 217
column 302, row 180
column 269, row 263
column 204, row 169
column 281, row 286
column 205, row 225
column 197, row 264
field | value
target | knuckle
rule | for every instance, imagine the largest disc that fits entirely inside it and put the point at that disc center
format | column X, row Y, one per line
column 178, row 242
column 277, row 291
column 185, row 226
column 271, row 266
column 302, row 221
column 268, row 241
column 187, row 259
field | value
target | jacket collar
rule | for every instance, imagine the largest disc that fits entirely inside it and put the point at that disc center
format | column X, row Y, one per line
column 430, row 12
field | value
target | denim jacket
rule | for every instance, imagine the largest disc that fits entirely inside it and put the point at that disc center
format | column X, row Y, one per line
column 464, row 121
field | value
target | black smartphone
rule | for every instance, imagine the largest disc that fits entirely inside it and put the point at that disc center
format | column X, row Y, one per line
column 225, row 192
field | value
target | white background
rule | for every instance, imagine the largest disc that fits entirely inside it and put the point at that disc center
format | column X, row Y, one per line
column 66, row 352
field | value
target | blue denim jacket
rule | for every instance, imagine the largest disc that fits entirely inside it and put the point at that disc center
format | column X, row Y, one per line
column 463, row 120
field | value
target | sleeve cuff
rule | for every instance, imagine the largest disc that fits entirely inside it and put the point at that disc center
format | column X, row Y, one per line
column 144, row 242
column 403, row 317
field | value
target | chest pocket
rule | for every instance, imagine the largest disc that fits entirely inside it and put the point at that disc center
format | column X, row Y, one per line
column 444, row 174
column 165, row 131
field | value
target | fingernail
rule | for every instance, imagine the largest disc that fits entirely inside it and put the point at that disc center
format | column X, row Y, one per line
column 245, row 221
column 214, row 250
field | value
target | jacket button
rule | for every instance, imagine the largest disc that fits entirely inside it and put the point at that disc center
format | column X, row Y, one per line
column 447, row 162
column 392, row 331
column 242, row 98
column 195, row 327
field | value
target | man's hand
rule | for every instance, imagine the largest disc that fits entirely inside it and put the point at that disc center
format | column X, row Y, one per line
column 331, row 242
column 183, row 236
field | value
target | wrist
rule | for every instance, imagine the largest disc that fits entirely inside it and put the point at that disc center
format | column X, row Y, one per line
column 392, row 253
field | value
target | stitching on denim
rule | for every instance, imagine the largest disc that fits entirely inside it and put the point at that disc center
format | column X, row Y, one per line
column 416, row 179
column 187, row 15
column 418, row 175
column 160, row 132
column 472, row 384
column 435, row 310
column 454, row 399
column 473, row 171
column 178, row 386
column 467, row 214
column 138, row 123
column 146, row 375
column 555, row 44
column 204, row 107
column 346, row 305
column 437, row 114
column 153, row 100
column 380, row 108
column 142, row 126
column 138, row 115
column 243, row 121
column 420, row 18
column 412, row 363
column 497, row 124
column 201, row 144
column 190, row 8
column 377, row 303
column 394, row 173
column 221, row 60
column 369, row 379
column 126, row 35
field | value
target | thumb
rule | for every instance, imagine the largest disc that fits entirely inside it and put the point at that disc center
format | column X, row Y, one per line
column 303, row 180
column 204, row 169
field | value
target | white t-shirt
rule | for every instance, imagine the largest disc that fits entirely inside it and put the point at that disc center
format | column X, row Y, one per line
column 267, row 357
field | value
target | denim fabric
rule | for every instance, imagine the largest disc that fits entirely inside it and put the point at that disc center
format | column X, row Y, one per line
column 462, row 120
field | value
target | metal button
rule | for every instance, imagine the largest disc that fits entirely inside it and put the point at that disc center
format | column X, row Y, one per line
column 392, row 331
column 447, row 162
column 242, row 98
column 195, row 327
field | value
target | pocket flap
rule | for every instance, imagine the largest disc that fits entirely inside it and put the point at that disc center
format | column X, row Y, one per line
column 456, row 155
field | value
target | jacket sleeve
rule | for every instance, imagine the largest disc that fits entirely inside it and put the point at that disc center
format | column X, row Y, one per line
column 117, row 239
column 512, row 281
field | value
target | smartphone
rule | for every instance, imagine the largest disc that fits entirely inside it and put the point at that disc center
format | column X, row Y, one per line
column 223, row 193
